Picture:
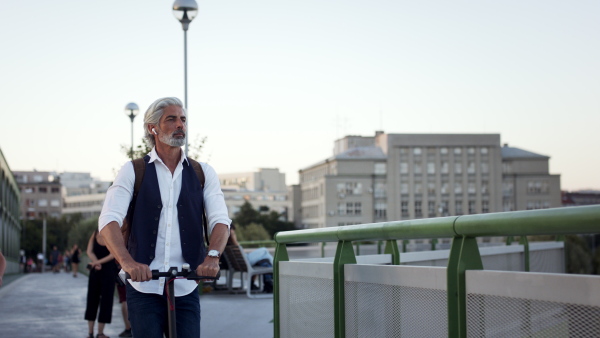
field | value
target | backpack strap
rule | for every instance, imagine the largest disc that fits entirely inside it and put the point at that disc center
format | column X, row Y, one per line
column 139, row 169
column 200, row 173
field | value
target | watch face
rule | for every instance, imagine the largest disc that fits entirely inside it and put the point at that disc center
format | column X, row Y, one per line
column 214, row 253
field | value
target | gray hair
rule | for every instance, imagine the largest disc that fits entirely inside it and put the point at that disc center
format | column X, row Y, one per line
column 155, row 112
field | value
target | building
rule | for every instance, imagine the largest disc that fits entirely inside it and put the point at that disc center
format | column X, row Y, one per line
column 264, row 189
column 10, row 215
column 82, row 194
column 526, row 182
column 41, row 194
column 392, row 177
column 581, row 197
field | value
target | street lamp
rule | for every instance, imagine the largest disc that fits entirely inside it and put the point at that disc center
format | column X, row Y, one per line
column 131, row 110
column 185, row 11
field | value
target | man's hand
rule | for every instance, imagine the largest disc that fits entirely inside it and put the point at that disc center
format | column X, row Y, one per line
column 210, row 267
column 138, row 272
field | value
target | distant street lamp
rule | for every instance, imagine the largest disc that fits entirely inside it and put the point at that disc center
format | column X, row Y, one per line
column 131, row 110
column 185, row 11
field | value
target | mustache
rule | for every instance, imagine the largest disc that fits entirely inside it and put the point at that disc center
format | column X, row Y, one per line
column 178, row 132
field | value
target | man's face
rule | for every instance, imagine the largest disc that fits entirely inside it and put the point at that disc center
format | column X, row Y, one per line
column 171, row 127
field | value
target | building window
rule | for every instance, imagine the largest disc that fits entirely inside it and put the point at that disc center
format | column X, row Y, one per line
column 431, row 167
column 55, row 203
column 43, row 203
column 380, row 190
column 471, row 188
column 444, row 167
column 484, row 187
column 507, row 188
column 444, row 151
column 431, row 208
column 457, row 151
column 357, row 208
column 444, row 208
column 471, row 150
column 43, row 189
column 485, row 206
column 404, row 167
column 380, row 169
column 380, row 210
column 418, row 188
column 349, row 188
column 485, row 168
column 458, row 209
column 457, row 167
column 507, row 167
column 341, row 209
column 417, row 167
column 471, row 168
column 417, row 151
column 458, row 187
column 418, row 209
column 445, row 189
column 55, row 190
column 483, row 150
column 404, row 188
column 537, row 187
column 508, row 205
column 404, row 209
column 431, row 188
column 472, row 207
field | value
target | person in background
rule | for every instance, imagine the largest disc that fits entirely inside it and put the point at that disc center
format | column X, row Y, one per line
column 55, row 259
column 2, row 266
column 101, row 285
column 259, row 257
column 75, row 252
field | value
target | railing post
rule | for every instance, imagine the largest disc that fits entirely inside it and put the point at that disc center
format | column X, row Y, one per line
column 464, row 255
column 523, row 241
column 391, row 247
column 323, row 249
column 281, row 255
column 344, row 255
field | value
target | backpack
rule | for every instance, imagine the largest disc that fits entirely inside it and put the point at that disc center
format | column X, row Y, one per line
column 139, row 168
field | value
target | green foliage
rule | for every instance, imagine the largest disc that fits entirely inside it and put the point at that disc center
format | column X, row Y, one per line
column 578, row 255
column 80, row 233
column 252, row 232
column 270, row 221
column 194, row 148
column 56, row 234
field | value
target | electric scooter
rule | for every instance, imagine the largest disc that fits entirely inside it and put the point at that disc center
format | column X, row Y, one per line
column 171, row 275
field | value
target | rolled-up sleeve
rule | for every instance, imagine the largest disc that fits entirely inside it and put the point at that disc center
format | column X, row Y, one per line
column 214, row 200
column 118, row 197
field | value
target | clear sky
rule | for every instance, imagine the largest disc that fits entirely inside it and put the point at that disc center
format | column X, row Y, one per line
column 272, row 84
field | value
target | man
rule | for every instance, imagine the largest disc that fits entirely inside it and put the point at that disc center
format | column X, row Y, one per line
column 166, row 227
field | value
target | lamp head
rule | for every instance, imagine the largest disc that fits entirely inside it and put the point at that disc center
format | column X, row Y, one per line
column 185, row 11
column 131, row 110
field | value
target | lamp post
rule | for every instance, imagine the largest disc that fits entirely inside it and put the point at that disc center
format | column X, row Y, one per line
column 131, row 110
column 185, row 11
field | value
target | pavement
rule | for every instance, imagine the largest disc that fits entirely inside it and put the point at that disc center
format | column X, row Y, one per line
column 53, row 305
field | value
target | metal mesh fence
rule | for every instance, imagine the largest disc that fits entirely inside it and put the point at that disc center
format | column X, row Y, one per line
column 495, row 316
column 306, row 305
column 380, row 310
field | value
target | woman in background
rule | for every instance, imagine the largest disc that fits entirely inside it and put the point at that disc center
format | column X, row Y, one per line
column 75, row 252
column 101, row 285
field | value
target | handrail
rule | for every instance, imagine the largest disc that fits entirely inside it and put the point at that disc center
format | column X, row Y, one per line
column 514, row 223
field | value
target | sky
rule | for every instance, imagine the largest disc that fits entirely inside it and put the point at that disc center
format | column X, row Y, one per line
column 272, row 84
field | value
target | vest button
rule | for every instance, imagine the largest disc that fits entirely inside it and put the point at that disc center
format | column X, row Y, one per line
column 152, row 245
column 151, row 257
column 156, row 218
column 158, row 206
column 154, row 232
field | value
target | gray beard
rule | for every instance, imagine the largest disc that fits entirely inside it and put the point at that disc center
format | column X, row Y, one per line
column 170, row 140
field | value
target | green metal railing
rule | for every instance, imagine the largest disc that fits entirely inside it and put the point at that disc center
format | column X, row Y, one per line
column 464, row 252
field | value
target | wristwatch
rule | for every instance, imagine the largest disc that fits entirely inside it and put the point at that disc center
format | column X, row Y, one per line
column 214, row 254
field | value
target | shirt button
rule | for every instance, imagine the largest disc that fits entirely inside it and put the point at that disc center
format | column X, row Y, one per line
column 167, row 243
column 169, row 224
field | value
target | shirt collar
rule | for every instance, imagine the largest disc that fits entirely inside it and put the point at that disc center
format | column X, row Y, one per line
column 154, row 156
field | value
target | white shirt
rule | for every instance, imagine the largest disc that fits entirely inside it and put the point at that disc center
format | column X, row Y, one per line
column 168, row 245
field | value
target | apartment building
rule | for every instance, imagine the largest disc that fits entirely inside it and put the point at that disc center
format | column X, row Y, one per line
column 264, row 188
column 10, row 214
column 391, row 177
column 40, row 194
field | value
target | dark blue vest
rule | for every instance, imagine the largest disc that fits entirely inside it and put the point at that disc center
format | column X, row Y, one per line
column 190, row 208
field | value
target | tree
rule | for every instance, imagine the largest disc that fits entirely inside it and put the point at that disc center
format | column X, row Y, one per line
column 270, row 221
column 194, row 148
column 252, row 232
column 80, row 232
column 57, row 230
